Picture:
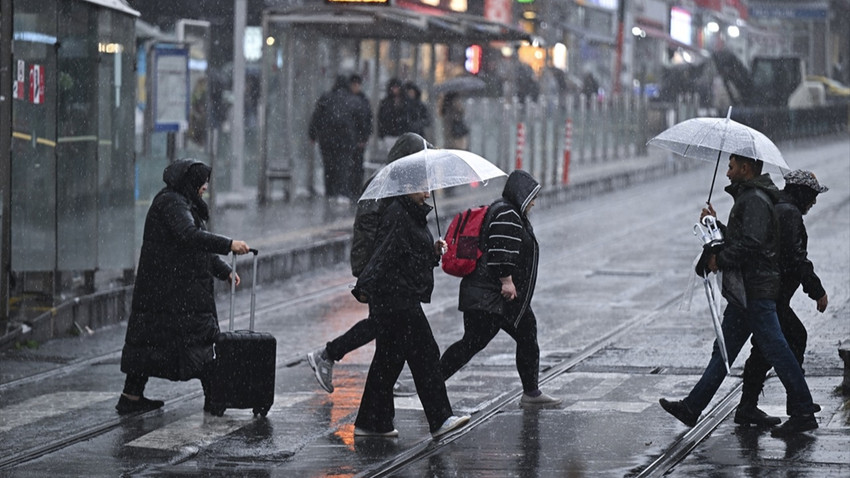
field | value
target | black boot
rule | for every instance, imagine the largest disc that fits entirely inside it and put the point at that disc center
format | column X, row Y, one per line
column 126, row 406
column 752, row 415
column 794, row 425
column 679, row 410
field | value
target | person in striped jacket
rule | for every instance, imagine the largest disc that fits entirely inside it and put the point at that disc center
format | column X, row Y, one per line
column 497, row 295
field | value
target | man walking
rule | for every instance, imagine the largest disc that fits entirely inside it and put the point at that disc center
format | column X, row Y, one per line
column 795, row 268
column 334, row 125
column 749, row 261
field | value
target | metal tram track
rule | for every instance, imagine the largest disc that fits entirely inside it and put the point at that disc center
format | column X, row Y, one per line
column 52, row 446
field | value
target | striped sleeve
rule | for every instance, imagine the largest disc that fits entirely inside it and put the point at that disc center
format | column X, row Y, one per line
column 503, row 242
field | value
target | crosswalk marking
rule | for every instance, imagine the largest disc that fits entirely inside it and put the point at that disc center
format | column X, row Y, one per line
column 603, row 406
column 200, row 430
column 50, row 405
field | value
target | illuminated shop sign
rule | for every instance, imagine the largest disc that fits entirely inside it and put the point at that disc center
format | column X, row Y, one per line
column 680, row 25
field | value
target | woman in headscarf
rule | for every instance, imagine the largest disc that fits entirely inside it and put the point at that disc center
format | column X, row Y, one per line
column 173, row 319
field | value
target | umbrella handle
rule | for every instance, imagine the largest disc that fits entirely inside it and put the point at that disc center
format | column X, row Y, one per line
column 437, row 215
column 714, row 177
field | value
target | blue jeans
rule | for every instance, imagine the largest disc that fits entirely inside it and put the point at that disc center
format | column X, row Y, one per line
column 760, row 320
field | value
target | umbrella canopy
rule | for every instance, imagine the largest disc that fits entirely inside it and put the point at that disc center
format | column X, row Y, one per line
column 429, row 170
column 463, row 84
column 706, row 138
column 709, row 138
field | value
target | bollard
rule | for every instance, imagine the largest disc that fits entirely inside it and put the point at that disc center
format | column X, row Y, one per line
column 520, row 144
column 844, row 353
column 568, row 149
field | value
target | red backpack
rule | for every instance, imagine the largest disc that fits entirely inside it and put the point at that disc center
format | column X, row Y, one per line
column 462, row 238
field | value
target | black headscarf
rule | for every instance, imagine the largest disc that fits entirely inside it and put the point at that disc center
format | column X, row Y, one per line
column 191, row 182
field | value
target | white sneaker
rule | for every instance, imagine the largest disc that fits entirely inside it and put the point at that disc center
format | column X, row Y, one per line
column 322, row 368
column 451, row 423
column 362, row 432
column 404, row 388
column 540, row 401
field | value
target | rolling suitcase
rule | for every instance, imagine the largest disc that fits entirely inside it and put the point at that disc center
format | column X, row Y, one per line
column 243, row 370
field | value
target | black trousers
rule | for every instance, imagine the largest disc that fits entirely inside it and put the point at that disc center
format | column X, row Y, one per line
column 337, row 160
column 479, row 328
column 403, row 336
column 756, row 367
column 357, row 336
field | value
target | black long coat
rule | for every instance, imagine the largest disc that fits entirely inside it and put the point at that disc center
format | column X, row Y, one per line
column 173, row 319
column 510, row 249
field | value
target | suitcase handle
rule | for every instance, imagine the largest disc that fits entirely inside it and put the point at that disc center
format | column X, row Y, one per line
column 253, row 289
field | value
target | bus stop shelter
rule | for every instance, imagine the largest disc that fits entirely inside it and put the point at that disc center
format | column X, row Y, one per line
column 305, row 48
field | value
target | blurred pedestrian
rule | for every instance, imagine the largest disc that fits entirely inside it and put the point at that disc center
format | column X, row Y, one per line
column 455, row 129
column 363, row 125
column 393, row 114
column 173, row 319
column 751, row 282
column 795, row 268
column 395, row 282
column 420, row 119
column 589, row 88
column 363, row 242
column 497, row 294
column 334, row 125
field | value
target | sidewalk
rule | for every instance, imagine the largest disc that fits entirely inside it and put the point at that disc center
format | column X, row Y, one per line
column 309, row 233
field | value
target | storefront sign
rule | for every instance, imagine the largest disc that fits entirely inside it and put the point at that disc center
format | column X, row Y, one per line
column 795, row 12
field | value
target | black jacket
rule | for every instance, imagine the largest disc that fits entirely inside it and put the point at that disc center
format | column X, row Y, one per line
column 510, row 249
column 794, row 264
column 400, row 274
column 337, row 119
column 367, row 218
column 173, row 319
column 751, row 251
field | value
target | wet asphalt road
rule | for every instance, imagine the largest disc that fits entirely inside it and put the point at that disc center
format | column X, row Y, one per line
column 613, row 339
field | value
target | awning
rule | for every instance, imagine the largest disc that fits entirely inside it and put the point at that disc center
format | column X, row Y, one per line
column 394, row 23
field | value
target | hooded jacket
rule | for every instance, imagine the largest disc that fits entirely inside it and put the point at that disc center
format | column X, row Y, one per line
column 510, row 249
column 794, row 264
column 400, row 274
column 173, row 319
column 750, row 257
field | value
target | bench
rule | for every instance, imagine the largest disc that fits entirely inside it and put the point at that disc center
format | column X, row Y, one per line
column 278, row 171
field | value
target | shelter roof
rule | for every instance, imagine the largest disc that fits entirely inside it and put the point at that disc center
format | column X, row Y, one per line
column 394, row 23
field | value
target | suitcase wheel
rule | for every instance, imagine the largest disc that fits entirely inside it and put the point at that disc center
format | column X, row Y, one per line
column 261, row 411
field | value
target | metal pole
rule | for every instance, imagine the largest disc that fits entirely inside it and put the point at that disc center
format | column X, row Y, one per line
column 6, row 30
column 237, row 128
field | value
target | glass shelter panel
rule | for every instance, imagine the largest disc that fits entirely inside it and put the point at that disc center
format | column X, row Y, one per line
column 34, row 137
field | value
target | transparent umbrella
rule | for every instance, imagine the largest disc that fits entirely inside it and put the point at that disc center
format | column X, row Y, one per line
column 709, row 138
column 429, row 170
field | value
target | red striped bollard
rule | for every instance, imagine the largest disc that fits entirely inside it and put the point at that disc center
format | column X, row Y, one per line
column 520, row 144
column 568, row 149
